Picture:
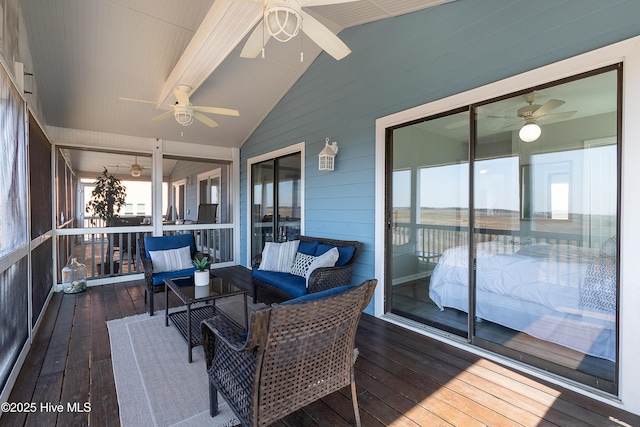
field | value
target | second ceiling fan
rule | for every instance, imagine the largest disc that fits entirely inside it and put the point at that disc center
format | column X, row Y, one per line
column 283, row 19
column 184, row 112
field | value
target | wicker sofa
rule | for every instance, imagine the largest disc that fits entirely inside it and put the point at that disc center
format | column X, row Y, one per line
column 271, row 286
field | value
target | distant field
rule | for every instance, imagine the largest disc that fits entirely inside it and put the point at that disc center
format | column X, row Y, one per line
column 509, row 220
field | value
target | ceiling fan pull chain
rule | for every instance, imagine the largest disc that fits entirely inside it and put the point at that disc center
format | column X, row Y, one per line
column 301, row 44
column 263, row 42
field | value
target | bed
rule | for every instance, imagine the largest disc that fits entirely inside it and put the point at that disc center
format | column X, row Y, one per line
column 559, row 293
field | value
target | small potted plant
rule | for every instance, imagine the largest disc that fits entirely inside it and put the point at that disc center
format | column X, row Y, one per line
column 201, row 276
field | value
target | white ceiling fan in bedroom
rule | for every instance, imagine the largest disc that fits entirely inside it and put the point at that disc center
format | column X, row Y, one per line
column 533, row 113
column 283, row 20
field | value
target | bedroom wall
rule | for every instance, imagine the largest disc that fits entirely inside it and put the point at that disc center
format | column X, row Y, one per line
column 406, row 61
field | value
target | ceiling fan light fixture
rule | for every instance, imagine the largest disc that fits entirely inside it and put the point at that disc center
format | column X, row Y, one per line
column 183, row 115
column 135, row 170
column 530, row 132
column 283, row 20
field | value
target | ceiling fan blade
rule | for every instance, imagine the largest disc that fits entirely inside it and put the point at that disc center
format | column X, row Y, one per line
column 162, row 116
column 305, row 3
column 564, row 115
column 518, row 123
column 323, row 37
column 144, row 101
column 204, row 119
column 182, row 97
column 501, row 117
column 217, row 110
column 254, row 46
column 551, row 104
column 456, row 124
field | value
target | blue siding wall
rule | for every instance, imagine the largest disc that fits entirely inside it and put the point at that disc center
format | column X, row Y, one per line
column 410, row 60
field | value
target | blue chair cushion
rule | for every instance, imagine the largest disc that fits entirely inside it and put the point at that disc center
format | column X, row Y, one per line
column 158, row 278
column 290, row 283
column 308, row 248
column 318, row 295
column 169, row 242
column 346, row 253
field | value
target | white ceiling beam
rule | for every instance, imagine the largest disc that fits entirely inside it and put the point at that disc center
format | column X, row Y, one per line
column 225, row 25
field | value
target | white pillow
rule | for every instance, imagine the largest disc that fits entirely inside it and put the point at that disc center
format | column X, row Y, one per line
column 279, row 256
column 171, row 259
column 327, row 259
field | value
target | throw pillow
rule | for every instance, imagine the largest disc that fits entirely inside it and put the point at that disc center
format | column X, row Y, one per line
column 599, row 287
column 301, row 264
column 327, row 259
column 171, row 259
column 279, row 256
column 308, row 248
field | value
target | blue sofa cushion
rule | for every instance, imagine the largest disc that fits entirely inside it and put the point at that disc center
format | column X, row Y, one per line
column 169, row 242
column 346, row 253
column 308, row 248
column 290, row 283
column 318, row 295
column 158, row 278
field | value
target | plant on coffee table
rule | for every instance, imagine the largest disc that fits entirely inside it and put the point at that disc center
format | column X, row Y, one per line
column 201, row 276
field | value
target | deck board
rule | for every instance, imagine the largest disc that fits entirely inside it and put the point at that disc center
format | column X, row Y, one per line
column 403, row 378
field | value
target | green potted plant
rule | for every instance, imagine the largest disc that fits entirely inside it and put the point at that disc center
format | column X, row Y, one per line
column 201, row 276
column 106, row 198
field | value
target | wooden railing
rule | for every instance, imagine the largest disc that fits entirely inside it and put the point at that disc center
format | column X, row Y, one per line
column 114, row 251
column 435, row 239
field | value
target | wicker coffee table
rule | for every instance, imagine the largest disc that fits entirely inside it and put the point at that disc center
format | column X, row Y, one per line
column 188, row 321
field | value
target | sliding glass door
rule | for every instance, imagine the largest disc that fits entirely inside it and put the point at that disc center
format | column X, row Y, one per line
column 517, row 250
column 546, row 254
column 429, row 214
column 276, row 200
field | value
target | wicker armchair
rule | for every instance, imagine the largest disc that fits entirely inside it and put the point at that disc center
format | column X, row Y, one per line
column 155, row 281
column 293, row 354
column 319, row 280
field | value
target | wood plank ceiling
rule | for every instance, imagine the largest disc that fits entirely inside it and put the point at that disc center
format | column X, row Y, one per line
column 88, row 53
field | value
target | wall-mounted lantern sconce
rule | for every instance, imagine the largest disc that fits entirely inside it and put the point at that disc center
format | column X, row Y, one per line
column 188, row 180
column 327, row 156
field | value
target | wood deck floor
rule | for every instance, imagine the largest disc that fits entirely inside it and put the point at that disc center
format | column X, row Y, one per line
column 403, row 378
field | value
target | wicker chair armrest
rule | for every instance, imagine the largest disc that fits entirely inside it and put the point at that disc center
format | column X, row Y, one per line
column 232, row 336
column 148, row 270
column 228, row 333
column 329, row 277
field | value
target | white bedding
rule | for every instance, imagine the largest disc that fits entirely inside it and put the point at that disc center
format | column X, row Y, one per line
column 538, row 289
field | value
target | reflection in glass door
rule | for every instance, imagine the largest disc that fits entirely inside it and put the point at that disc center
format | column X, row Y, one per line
column 525, row 238
column 429, row 210
column 546, row 288
column 276, row 200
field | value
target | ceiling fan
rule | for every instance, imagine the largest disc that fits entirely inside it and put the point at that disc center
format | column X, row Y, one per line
column 135, row 169
column 283, row 19
column 533, row 113
column 184, row 112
